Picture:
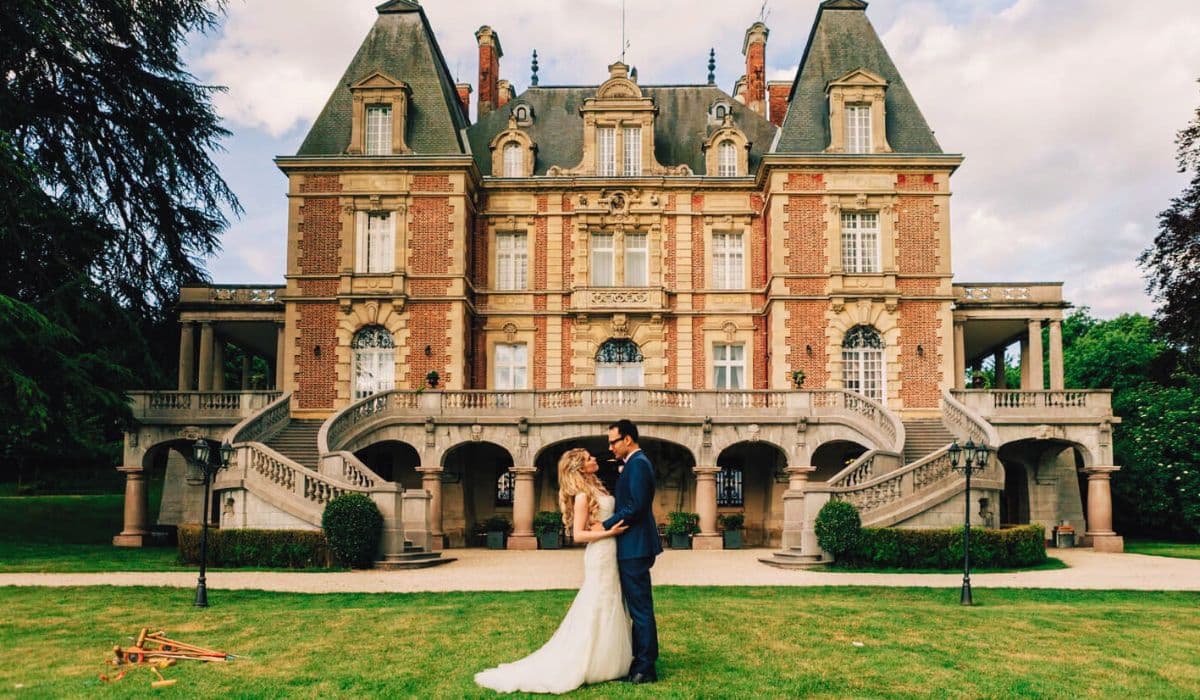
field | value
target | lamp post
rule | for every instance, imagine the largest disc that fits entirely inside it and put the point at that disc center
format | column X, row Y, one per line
column 968, row 459
column 209, row 462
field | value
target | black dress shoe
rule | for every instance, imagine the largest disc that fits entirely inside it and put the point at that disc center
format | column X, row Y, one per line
column 637, row 678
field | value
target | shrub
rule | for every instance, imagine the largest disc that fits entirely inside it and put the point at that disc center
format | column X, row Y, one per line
column 354, row 527
column 682, row 523
column 732, row 521
column 292, row 549
column 942, row 548
column 498, row 523
column 838, row 527
column 547, row 521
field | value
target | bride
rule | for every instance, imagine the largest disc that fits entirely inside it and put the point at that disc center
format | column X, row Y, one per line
column 593, row 642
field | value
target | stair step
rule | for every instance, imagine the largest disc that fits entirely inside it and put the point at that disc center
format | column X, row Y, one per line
column 412, row 560
column 793, row 559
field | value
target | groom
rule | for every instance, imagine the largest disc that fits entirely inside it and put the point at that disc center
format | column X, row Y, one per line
column 637, row 548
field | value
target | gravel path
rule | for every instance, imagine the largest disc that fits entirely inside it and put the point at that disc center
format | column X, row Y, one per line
column 485, row 570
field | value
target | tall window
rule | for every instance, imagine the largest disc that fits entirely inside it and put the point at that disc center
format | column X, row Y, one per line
column 727, row 159
column 376, row 240
column 374, row 361
column 511, row 366
column 860, row 242
column 862, row 362
column 512, row 264
column 514, row 161
column 379, row 130
column 729, row 366
column 858, row 128
column 728, row 261
column 619, row 363
column 633, row 151
column 602, row 260
column 606, row 151
column 729, row 487
column 637, row 260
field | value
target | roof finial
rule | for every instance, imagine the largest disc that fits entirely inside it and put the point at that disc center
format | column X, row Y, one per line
column 712, row 66
column 533, row 66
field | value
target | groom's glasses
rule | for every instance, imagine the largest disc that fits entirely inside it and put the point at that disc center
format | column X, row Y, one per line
column 613, row 442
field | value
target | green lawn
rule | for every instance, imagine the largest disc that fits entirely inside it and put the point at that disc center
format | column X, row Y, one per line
column 1182, row 550
column 716, row 642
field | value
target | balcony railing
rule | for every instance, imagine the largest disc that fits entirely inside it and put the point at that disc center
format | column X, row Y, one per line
column 193, row 406
column 1015, row 403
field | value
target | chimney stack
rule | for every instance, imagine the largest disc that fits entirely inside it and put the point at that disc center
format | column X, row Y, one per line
column 777, row 98
column 489, row 69
column 755, row 49
column 504, row 93
column 464, row 99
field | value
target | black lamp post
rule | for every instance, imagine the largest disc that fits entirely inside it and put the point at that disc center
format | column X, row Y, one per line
column 968, row 459
column 209, row 462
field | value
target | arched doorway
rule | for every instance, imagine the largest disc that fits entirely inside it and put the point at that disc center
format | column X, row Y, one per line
column 748, row 483
column 374, row 355
column 1043, row 483
column 834, row 456
column 177, row 486
column 477, row 485
column 393, row 460
column 546, row 484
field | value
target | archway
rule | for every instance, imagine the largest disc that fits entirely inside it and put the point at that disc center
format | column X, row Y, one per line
column 751, row 468
column 546, row 484
column 1043, row 483
column 834, row 456
column 178, row 488
column 393, row 460
column 477, row 486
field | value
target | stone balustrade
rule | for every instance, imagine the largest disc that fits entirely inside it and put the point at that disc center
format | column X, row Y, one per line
column 197, row 406
column 1045, row 405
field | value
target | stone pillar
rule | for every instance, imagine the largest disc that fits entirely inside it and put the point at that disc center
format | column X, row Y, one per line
column 1099, row 510
column 1024, row 363
column 523, row 505
column 1056, row 356
column 279, row 349
column 187, row 370
column 431, row 481
column 1001, row 378
column 206, row 356
column 706, row 506
column 134, row 533
column 1036, row 380
column 793, row 507
column 960, row 359
column 218, row 369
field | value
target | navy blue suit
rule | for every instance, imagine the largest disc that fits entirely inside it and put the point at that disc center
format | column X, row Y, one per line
column 636, row 550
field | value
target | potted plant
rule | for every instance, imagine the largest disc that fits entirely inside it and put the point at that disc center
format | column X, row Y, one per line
column 548, row 525
column 432, row 378
column 498, row 528
column 797, row 378
column 731, row 529
column 680, row 528
column 479, row 535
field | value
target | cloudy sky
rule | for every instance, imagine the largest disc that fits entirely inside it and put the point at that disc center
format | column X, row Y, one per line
column 1066, row 110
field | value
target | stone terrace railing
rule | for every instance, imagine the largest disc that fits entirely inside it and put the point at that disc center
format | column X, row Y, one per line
column 1010, row 403
column 871, row 495
column 966, row 423
column 262, row 425
column 561, row 403
column 194, row 406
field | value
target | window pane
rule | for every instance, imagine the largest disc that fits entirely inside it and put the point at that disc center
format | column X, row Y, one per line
column 602, row 259
column 514, row 165
column 728, row 261
column 632, row 137
column 727, row 159
column 512, row 261
column 858, row 129
column 380, row 247
column 379, row 130
column 606, row 151
column 636, row 260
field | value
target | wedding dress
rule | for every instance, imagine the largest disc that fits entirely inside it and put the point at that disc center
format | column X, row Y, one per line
column 594, row 641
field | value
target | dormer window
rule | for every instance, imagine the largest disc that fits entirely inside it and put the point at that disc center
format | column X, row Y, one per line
column 606, row 151
column 857, row 119
column 727, row 159
column 858, row 128
column 513, row 152
column 514, row 160
column 522, row 114
column 720, row 111
column 379, row 107
column 379, row 130
column 727, row 151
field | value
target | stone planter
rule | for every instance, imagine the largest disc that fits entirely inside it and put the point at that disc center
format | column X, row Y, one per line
column 495, row 540
column 733, row 539
column 681, row 542
column 550, row 540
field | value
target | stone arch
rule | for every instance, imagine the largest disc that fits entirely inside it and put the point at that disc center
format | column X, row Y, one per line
column 394, row 460
column 1043, row 482
column 361, row 315
column 885, row 320
column 546, row 462
column 758, row 462
column 471, row 472
column 833, row 456
column 182, row 493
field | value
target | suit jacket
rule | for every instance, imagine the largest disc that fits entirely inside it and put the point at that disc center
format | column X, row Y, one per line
column 635, row 505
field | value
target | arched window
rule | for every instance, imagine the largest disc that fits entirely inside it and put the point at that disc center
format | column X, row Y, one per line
column 619, row 363
column 862, row 362
column 727, row 159
column 374, row 361
column 720, row 111
column 514, row 161
column 521, row 113
column 729, row 487
column 504, row 488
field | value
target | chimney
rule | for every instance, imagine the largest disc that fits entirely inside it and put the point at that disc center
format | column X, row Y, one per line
column 489, row 69
column 504, row 93
column 755, row 50
column 739, row 90
column 777, row 99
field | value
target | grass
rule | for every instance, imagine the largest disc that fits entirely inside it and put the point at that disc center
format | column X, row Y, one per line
column 1180, row 550
column 716, row 642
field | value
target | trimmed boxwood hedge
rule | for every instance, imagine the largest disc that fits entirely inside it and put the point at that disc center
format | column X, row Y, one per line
column 943, row 548
column 354, row 527
column 290, row 549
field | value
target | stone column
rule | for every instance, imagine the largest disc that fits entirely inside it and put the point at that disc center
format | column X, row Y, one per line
column 706, row 506
column 134, row 532
column 218, row 369
column 1099, row 510
column 279, row 349
column 1056, row 356
column 431, row 481
column 247, row 362
column 793, row 507
column 206, row 356
column 1024, row 363
column 960, row 360
column 1001, row 378
column 523, row 505
column 1036, row 380
column 187, row 352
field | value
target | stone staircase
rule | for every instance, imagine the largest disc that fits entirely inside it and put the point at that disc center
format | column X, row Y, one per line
column 298, row 442
column 412, row 558
column 923, row 438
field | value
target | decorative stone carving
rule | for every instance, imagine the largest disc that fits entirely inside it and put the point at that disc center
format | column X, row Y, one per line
column 476, row 432
column 620, row 326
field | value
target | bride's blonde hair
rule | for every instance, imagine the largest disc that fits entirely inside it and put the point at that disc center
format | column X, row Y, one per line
column 572, row 480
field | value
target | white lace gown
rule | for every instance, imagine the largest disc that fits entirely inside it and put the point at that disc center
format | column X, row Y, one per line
column 593, row 643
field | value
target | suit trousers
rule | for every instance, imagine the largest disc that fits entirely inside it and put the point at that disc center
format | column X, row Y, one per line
column 635, row 585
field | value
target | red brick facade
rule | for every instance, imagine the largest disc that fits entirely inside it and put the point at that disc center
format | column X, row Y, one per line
column 803, row 182
column 916, row 183
column 918, row 250
column 805, row 235
column 316, row 355
column 432, row 236
column 920, row 371
column 568, row 340
column 698, row 258
column 539, row 352
column 671, row 341
column 540, row 245
column 429, row 326
column 805, row 341
column 320, row 230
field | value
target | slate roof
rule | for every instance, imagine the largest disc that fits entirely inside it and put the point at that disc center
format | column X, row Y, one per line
column 681, row 126
column 400, row 45
column 842, row 39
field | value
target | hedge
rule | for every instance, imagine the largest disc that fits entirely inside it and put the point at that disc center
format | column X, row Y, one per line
column 943, row 548
column 290, row 549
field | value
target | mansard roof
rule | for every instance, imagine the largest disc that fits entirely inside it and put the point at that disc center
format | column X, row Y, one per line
column 680, row 128
column 842, row 40
column 400, row 45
